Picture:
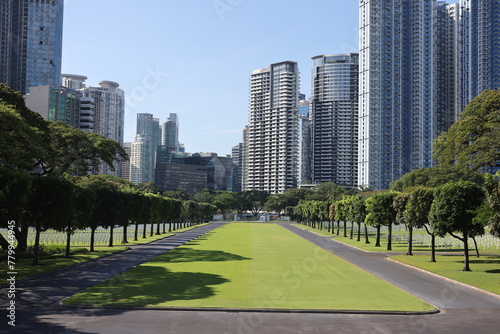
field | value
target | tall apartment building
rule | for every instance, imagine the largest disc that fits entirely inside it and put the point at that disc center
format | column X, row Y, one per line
column 170, row 133
column 335, row 119
column 421, row 63
column 102, row 110
column 397, row 116
column 305, row 141
column 271, row 139
column 31, row 43
column 143, row 159
column 237, row 155
column 479, row 47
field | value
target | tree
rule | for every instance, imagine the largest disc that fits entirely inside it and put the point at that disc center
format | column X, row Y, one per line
column 180, row 194
column 75, row 151
column 275, row 203
column 435, row 176
column 358, row 212
column 204, row 196
column 15, row 189
column 258, row 199
column 399, row 204
column 329, row 191
column 416, row 214
column 84, row 200
column 20, row 143
column 474, row 140
column 341, row 214
column 148, row 187
column 225, row 201
column 381, row 212
column 51, row 206
column 332, row 214
column 492, row 188
column 453, row 211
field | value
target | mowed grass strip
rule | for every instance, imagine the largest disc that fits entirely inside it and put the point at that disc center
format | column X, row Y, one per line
column 250, row 266
column 485, row 272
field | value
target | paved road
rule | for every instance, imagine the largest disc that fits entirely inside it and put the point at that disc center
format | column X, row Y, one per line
column 462, row 310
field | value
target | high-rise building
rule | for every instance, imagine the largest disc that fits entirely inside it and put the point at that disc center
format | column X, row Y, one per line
column 140, row 160
column 31, row 43
column 107, row 104
column 397, row 116
column 236, row 153
column 480, row 47
column 271, row 147
column 170, row 133
column 305, row 141
column 148, row 135
column 335, row 119
column 421, row 63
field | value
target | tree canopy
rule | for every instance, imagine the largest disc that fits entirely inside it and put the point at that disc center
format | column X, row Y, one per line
column 474, row 140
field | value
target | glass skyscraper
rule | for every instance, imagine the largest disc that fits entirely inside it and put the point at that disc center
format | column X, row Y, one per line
column 335, row 119
column 31, row 43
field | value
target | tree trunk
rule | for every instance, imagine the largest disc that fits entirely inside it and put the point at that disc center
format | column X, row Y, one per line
column 345, row 228
column 136, row 232
column 158, row 226
column 433, row 248
column 410, row 240
column 352, row 230
column 151, row 232
column 37, row 245
column 124, row 238
column 68, row 240
column 92, row 238
column 3, row 242
column 475, row 246
column 466, row 253
column 377, row 242
column 389, row 238
column 164, row 226
column 359, row 232
column 170, row 226
column 21, row 235
column 338, row 227
column 144, row 231
column 367, row 240
column 111, row 229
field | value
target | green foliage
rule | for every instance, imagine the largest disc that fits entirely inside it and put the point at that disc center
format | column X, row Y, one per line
column 148, row 187
column 399, row 204
column 20, row 144
column 474, row 140
column 225, row 201
column 418, row 207
column 435, row 176
column 75, row 151
column 380, row 210
column 492, row 187
column 453, row 210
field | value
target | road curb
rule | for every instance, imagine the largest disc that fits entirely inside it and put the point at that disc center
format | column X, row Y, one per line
column 243, row 310
column 492, row 294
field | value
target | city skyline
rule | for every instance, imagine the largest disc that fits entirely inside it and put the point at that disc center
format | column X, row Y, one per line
column 201, row 69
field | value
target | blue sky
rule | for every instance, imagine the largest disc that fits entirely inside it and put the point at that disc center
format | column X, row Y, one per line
column 195, row 57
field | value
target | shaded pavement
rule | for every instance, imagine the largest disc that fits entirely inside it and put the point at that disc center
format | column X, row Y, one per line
column 463, row 310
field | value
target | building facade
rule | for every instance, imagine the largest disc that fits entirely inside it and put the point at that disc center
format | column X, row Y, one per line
column 170, row 133
column 31, row 43
column 271, row 138
column 148, row 138
column 55, row 104
column 305, row 142
column 335, row 87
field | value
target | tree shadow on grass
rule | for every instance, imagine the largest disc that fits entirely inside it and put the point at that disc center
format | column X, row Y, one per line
column 185, row 254
column 494, row 271
column 151, row 286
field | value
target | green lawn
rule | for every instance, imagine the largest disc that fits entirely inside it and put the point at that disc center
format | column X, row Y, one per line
column 485, row 272
column 250, row 266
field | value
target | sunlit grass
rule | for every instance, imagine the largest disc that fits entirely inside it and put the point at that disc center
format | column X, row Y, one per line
column 250, row 266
